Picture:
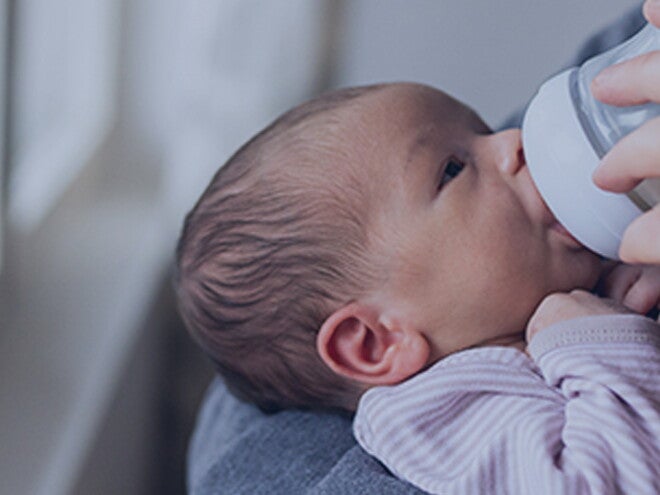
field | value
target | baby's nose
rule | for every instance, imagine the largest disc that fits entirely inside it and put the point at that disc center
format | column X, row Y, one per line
column 508, row 151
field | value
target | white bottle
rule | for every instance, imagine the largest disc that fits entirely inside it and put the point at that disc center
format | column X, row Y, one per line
column 566, row 132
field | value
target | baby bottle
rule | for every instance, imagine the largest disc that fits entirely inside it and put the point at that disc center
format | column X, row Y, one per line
column 566, row 132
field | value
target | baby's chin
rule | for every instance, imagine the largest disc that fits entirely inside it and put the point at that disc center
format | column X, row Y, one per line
column 515, row 340
column 579, row 270
column 520, row 344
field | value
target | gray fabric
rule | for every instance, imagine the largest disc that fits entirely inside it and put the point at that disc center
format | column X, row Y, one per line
column 236, row 449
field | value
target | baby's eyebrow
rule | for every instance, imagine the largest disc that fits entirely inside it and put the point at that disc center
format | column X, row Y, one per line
column 424, row 138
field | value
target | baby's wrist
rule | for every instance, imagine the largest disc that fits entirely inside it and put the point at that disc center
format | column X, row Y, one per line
column 595, row 330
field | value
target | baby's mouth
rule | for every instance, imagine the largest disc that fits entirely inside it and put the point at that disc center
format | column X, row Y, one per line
column 538, row 207
column 553, row 224
column 563, row 231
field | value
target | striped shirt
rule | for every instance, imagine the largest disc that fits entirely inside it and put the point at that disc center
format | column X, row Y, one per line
column 581, row 416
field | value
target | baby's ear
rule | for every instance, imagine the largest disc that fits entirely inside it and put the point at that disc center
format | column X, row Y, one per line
column 360, row 343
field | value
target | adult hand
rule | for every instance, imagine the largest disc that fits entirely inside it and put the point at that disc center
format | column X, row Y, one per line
column 636, row 156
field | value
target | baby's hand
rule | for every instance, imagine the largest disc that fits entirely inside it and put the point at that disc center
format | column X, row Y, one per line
column 635, row 286
column 566, row 306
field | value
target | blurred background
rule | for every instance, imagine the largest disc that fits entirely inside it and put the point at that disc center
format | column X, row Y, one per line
column 114, row 114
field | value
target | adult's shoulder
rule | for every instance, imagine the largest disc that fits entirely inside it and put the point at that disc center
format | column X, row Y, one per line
column 237, row 449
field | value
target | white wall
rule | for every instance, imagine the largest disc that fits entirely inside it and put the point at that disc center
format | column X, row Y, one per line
column 491, row 54
column 96, row 205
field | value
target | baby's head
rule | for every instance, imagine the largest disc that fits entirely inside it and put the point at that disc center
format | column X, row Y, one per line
column 361, row 237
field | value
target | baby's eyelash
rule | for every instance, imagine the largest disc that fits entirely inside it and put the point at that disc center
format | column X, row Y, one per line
column 452, row 168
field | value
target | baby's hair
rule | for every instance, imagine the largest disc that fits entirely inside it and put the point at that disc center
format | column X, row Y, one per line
column 275, row 244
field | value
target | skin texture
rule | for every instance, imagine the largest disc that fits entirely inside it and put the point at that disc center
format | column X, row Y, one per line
column 467, row 256
column 636, row 156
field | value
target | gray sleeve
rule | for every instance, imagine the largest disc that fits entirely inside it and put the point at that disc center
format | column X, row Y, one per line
column 238, row 449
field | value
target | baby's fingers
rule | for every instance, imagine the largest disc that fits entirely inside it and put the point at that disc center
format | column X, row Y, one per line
column 644, row 294
column 559, row 307
column 617, row 282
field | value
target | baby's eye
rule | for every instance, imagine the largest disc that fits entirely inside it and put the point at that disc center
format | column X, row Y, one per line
column 453, row 167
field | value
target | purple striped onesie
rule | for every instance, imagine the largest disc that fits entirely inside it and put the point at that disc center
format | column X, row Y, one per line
column 581, row 416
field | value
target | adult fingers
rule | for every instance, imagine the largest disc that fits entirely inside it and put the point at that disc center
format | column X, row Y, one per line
column 632, row 82
column 652, row 12
column 635, row 157
column 641, row 240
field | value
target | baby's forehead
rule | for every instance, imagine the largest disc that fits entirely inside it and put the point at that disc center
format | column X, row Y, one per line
column 404, row 107
column 407, row 96
column 356, row 144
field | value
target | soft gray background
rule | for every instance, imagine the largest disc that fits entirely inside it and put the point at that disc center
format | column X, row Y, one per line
column 491, row 54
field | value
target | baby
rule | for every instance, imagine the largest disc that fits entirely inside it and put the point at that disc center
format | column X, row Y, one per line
column 379, row 249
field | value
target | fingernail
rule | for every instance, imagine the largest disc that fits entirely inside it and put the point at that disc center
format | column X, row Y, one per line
column 596, row 175
column 604, row 76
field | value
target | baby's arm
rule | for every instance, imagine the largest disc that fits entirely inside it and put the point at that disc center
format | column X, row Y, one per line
column 582, row 417
column 606, row 364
